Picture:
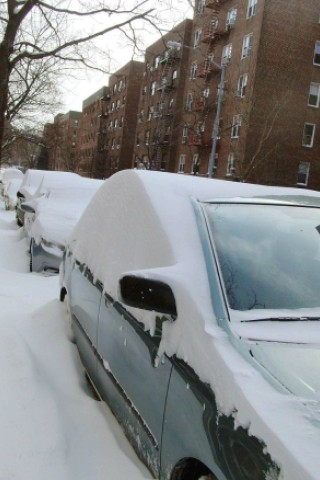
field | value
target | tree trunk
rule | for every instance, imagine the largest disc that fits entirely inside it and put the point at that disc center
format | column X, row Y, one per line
column 4, row 88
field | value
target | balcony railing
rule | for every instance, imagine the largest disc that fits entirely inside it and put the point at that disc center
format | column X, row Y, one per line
column 200, row 140
column 211, row 34
column 208, row 68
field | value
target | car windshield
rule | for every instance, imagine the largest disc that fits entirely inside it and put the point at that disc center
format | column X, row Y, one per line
column 269, row 255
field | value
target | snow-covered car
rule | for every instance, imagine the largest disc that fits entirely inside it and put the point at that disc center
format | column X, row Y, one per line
column 11, row 176
column 29, row 185
column 36, row 183
column 50, row 217
column 195, row 307
column 9, row 193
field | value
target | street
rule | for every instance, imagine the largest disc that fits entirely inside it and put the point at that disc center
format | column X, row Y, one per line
column 51, row 426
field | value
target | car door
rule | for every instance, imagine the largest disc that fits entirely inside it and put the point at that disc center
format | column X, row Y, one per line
column 85, row 298
column 132, row 378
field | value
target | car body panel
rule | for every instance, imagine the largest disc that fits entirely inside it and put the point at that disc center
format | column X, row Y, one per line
column 129, row 357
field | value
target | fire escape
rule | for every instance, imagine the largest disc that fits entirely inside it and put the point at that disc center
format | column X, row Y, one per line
column 164, row 114
column 215, row 30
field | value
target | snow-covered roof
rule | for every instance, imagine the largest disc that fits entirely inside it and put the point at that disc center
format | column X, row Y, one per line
column 37, row 182
column 59, row 210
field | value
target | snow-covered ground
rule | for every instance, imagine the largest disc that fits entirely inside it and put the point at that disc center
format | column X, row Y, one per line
column 51, row 427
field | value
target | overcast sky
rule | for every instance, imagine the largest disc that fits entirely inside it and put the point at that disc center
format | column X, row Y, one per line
column 77, row 87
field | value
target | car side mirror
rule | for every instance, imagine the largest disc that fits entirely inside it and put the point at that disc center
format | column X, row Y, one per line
column 27, row 208
column 147, row 294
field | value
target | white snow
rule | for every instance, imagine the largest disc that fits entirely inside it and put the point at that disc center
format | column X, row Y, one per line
column 160, row 239
column 58, row 210
column 51, row 427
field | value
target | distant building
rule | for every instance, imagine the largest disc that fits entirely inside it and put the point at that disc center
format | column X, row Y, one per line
column 92, row 144
column 60, row 139
column 160, row 112
column 233, row 93
column 124, row 86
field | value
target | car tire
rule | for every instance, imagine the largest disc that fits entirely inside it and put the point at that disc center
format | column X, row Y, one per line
column 192, row 470
column 30, row 263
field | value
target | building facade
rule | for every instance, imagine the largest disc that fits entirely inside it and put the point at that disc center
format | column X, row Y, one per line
column 61, row 139
column 254, row 70
column 232, row 94
column 160, row 112
column 92, row 146
column 124, row 86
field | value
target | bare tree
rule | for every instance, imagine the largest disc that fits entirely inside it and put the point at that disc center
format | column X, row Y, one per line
column 33, row 88
column 34, row 30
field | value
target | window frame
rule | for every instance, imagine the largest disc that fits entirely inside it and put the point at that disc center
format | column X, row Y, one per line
column 305, row 135
column 252, row 8
column 236, row 124
column 316, row 53
column 317, row 96
column 246, row 45
column 242, row 85
column 231, row 164
column 301, row 172
column 182, row 163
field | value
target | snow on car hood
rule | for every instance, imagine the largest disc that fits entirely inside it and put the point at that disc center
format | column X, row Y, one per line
column 57, row 214
column 296, row 367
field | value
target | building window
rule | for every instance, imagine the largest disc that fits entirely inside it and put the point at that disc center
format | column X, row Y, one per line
column 182, row 163
column 246, row 45
column 314, row 94
column 236, row 123
column 189, row 102
column 147, row 137
column 195, row 164
column 308, row 134
column 303, row 173
column 153, row 87
column 118, row 104
column 174, row 74
column 242, row 84
column 150, row 113
column 226, row 53
column 231, row 17
column 197, row 36
column 316, row 56
column 206, row 92
column 138, row 140
column 156, row 61
column 201, row 5
column 252, row 8
column 185, row 131
column 230, row 164
column 194, row 70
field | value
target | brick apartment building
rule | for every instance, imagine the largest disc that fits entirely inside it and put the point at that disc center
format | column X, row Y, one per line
column 270, row 53
column 91, row 142
column 124, row 86
column 235, row 91
column 160, row 112
column 60, row 138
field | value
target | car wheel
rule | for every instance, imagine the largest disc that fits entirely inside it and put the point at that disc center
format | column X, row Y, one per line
column 192, row 470
column 30, row 262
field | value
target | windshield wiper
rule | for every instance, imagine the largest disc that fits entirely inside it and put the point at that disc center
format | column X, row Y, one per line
column 283, row 319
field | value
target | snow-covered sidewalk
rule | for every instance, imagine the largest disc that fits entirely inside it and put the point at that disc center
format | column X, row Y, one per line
column 51, row 427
